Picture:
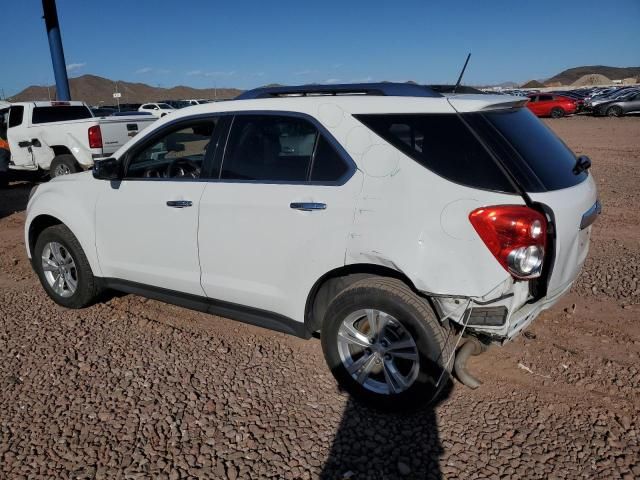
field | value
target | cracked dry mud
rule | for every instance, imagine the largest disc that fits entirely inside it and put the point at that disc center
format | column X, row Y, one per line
column 132, row 388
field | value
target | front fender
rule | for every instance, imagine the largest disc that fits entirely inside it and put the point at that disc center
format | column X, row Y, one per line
column 77, row 215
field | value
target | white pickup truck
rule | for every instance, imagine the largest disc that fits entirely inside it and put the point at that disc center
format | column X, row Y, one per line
column 65, row 137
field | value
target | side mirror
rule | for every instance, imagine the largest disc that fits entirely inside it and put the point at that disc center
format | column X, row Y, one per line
column 107, row 169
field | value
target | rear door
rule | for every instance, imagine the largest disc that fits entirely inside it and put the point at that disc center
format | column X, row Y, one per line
column 18, row 137
column 146, row 224
column 545, row 168
column 277, row 216
column 544, row 105
column 633, row 105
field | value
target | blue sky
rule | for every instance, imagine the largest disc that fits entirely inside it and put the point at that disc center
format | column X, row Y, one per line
column 250, row 43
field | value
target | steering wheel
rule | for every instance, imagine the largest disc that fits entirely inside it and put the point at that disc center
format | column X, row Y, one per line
column 183, row 168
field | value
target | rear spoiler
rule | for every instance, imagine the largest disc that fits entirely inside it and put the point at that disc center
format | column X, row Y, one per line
column 506, row 105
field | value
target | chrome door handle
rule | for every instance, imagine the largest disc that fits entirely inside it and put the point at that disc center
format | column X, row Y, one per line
column 308, row 206
column 179, row 203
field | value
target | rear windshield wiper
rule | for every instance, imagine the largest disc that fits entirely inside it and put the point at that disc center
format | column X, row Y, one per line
column 583, row 163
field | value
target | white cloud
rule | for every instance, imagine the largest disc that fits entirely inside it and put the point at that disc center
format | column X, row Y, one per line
column 362, row 80
column 200, row 73
column 332, row 80
column 142, row 71
column 74, row 66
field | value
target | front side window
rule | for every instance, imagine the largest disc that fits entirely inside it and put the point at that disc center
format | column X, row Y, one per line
column 178, row 153
column 279, row 148
column 443, row 144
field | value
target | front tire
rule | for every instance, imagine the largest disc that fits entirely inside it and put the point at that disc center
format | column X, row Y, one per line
column 63, row 268
column 557, row 112
column 385, row 345
column 63, row 165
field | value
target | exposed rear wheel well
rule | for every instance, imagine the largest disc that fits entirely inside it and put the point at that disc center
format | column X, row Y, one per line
column 38, row 225
column 332, row 283
column 60, row 150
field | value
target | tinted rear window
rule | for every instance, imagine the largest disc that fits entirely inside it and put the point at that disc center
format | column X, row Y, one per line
column 544, row 153
column 59, row 114
column 443, row 144
column 15, row 115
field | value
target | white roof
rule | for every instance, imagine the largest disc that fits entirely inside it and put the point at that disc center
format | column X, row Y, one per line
column 360, row 104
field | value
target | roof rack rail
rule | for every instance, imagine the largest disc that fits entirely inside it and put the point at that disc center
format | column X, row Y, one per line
column 379, row 89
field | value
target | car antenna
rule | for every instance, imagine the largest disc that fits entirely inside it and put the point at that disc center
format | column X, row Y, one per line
column 462, row 73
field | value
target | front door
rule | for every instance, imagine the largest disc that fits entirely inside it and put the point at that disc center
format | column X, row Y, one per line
column 146, row 224
column 279, row 215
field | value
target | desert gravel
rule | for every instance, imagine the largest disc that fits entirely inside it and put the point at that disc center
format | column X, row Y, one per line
column 132, row 388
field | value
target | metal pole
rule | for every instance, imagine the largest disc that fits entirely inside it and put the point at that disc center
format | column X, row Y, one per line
column 55, row 46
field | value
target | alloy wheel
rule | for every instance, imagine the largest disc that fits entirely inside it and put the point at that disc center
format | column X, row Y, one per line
column 61, row 169
column 378, row 351
column 59, row 269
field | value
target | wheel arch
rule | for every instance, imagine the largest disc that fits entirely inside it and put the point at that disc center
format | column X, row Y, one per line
column 77, row 220
column 61, row 150
column 336, row 280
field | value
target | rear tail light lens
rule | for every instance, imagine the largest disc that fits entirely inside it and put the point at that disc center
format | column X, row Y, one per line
column 515, row 235
column 95, row 137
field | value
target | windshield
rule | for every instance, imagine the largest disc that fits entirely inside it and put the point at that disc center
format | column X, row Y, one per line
column 165, row 106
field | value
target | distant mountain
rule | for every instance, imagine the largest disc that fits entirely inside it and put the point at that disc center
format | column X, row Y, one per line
column 533, row 84
column 569, row 76
column 98, row 90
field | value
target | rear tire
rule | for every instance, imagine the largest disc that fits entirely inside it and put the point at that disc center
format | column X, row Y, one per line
column 385, row 345
column 63, row 268
column 557, row 112
column 63, row 165
column 614, row 111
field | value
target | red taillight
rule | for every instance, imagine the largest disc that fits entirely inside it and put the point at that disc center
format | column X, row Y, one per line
column 95, row 137
column 515, row 235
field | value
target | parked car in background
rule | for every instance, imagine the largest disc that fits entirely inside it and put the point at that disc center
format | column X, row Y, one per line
column 594, row 102
column 628, row 103
column 64, row 137
column 549, row 105
column 103, row 111
column 177, row 104
column 158, row 110
column 199, row 101
column 377, row 216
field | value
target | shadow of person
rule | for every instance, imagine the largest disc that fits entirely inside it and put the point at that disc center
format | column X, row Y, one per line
column 371, row 444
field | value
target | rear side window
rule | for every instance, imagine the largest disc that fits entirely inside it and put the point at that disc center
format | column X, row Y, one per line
column 443, row 144
column 279, row 148
column 59, row 114
column 328, row 166
column 15, row 116
column 542, row 151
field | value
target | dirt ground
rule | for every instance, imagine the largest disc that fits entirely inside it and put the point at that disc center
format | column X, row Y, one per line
column 132, row 388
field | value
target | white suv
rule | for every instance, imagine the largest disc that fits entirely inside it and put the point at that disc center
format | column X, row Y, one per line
column 398, row 223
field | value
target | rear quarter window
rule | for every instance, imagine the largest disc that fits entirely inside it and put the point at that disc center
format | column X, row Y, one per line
column 443, row 144
column 547, row 157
